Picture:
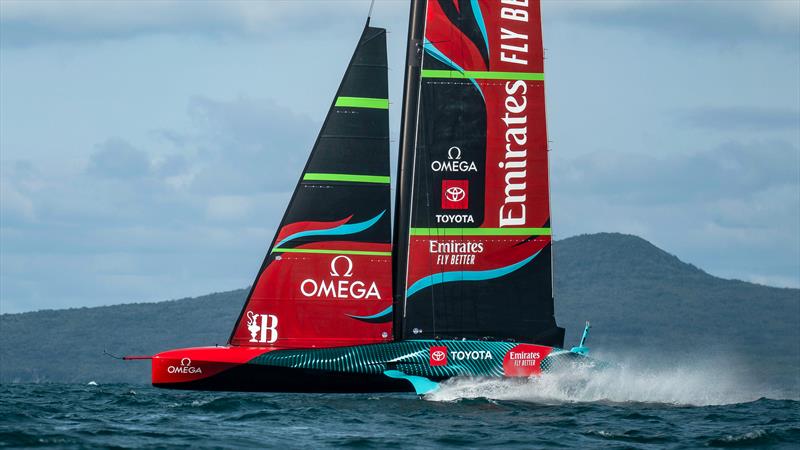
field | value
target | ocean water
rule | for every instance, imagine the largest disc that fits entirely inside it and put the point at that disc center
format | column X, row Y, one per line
column 620, row 408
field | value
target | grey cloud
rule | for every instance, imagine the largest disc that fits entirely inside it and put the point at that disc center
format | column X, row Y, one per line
column 727, row 171
column 742, row 118
column 18, row 179
column 121, row 230
column 235, row 153
column 697, row 21
column 32, row 23
column 25, row 23
column 734, row 209
column 249, row 146
column 753, row 237
column 172, row 165
column 116, row 158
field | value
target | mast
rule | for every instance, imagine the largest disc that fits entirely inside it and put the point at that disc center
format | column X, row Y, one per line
column 408, row 121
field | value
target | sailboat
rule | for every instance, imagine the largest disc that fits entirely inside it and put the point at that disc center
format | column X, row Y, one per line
column 461, row 282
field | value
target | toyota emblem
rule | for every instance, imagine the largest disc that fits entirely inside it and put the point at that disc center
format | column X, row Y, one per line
column 455, row 194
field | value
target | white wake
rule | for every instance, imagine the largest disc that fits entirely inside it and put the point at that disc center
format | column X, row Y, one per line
column 682, row 383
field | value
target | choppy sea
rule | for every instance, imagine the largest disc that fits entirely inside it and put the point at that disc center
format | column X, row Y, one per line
column 682, row 408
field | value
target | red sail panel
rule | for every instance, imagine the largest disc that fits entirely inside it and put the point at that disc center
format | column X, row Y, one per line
column 479, row 261
column 326, row 280
column 306, row 299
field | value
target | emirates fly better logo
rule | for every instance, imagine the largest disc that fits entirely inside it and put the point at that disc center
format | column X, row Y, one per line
column 438, row 356
column 455, row 194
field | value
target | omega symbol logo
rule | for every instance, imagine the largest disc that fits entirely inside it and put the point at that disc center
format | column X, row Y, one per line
column 454, row 151
column 348, row 264
column 453, row 163
column 340, row 284
column 184, row 368
column 455, row 194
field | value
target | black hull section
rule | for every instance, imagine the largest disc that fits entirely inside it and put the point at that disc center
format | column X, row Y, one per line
column 257, row 378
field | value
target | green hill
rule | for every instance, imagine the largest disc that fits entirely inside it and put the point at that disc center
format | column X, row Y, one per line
column 639, row 298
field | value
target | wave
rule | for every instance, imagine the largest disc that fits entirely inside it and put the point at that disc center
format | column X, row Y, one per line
column 682, row 383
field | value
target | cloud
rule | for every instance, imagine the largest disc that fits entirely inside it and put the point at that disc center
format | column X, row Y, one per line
column 721, row 208
column 132, row 224
column 228, row 207
column 768, row 21
column 26, row 23
column 15, row 206
column 742, row 118
column 727, row 171
column 233, row 152
column 18, row 181
column 116, row 158
column 248, row 146
column 775, row 280
column 170, row 165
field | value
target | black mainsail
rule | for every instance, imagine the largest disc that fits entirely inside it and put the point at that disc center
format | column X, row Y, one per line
column 473, row 194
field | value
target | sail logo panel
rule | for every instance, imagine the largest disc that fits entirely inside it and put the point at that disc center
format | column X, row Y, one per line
column 479, row 258
column 328, row 269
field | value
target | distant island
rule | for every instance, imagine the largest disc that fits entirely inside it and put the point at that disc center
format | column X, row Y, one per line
column 640, row 299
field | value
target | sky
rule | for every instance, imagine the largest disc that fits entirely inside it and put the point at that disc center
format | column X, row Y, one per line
column 148, row 149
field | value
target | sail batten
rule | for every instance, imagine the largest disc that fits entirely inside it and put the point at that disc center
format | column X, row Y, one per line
column 362, row 102
column 480, row 231
column 482, row 75
column 348, row 177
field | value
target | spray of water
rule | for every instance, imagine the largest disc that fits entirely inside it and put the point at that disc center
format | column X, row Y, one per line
column 699, row 383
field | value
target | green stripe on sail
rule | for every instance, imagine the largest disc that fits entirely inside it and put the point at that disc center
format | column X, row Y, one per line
column 363, row 102
column 330, row 252
column 482, row 75
column 346, row 177
column 480, row 232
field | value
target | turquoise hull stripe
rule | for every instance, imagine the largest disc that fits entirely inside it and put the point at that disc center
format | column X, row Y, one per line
column 421, row 385
column 344, row 229
column 410, row 360
column 480, row 275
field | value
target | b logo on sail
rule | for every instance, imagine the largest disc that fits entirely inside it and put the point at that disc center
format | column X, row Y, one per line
column 264, row 330
column 338, row 287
